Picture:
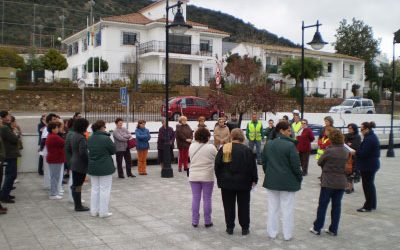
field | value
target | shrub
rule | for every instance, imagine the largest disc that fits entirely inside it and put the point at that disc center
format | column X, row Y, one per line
column 116, row 84
column 231, row 88
column 65, row 82
column 152, row 86
column 295, row 92
column 316, row 94
column 374, row 95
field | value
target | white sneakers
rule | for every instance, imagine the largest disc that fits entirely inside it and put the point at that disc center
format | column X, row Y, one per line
column 105, row 215
column 55, row 197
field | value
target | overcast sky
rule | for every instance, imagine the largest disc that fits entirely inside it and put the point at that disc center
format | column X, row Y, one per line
column 283, row 17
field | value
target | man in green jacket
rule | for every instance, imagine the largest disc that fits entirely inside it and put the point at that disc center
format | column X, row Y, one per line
column 283, row 176
column 255, row 134
column 10, row 141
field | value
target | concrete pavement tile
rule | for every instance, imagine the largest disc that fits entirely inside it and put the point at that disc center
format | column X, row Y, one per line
column 101, row 247
column 85, row 241
column 124, row 246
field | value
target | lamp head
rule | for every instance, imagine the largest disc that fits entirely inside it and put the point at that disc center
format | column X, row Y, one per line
column 179, row 26
column 317, row 42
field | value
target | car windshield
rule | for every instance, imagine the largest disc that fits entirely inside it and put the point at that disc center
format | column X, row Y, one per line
column 171, row 100
column 347, row 103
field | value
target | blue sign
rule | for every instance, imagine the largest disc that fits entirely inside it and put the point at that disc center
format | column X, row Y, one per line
column 123, row 95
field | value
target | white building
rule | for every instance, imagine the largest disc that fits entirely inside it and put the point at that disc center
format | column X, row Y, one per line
column 192, row 55
column 340, row 71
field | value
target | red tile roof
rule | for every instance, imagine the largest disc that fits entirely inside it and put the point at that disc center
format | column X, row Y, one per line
column 134, row 18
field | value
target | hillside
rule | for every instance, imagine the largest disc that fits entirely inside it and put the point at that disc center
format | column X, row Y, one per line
column 23, row 16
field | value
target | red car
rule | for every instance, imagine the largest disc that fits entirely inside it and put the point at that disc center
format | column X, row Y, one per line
column 192, row 107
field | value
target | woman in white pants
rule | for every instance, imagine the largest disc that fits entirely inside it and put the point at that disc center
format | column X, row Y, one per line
column 283, row 176
column 101, row 167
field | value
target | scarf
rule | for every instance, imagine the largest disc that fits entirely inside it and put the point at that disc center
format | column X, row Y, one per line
column 227, row 151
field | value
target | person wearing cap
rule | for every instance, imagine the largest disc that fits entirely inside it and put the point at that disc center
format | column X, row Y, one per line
column 255, row 134
column 296, row 124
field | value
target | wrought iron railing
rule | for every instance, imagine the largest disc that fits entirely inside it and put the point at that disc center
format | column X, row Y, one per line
column 178, row 48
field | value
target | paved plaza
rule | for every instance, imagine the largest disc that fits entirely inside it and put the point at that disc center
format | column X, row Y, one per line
column 154, row 213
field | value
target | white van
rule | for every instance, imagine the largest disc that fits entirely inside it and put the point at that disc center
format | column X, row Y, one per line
column 355, row 105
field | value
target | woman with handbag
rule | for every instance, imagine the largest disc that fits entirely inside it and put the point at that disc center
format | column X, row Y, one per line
column 201, row 175
column 333, row 183
column 353, row 140
column 142, row 146
column 121, row 140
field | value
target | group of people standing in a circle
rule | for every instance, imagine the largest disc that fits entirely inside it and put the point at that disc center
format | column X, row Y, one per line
column 284, row 159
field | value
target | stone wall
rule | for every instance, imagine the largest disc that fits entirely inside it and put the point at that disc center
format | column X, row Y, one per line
column 64, row 100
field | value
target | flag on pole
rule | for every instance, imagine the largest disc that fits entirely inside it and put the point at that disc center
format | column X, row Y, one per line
column 218, row 76
column 397, row 36
column 92, row 33
column 87, row 32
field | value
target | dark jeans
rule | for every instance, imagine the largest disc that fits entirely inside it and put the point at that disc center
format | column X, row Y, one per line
column 40, row 165
column 368, row 184
column 304, row 159
column 1, row 173
column 243, row 200
column 78, row 179
column 10, row 175
column 128, row 162
column 325, row 196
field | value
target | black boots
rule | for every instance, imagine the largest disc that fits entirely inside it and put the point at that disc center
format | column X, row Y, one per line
column 76, row 195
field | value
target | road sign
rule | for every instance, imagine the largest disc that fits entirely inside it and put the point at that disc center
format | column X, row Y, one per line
column 123, row 95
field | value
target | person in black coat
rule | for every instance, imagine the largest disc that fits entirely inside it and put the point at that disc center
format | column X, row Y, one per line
column 353, row 140
column 40, row 127
column 236, row 172
column 79, row 161
column 368, row 163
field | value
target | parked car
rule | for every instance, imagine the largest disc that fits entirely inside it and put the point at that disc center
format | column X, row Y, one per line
column 355, row 105
column 192, row 107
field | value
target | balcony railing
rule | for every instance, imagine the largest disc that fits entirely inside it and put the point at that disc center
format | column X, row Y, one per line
column 181, row 48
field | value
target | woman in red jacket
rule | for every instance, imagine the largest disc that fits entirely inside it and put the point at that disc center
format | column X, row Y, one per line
column 55, row 157
column 304, row 140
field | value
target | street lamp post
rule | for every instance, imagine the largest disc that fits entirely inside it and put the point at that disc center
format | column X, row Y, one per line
column 317, row 43
column 380, row 75
column 178, row 26
column 390, row 152
column 137, row 46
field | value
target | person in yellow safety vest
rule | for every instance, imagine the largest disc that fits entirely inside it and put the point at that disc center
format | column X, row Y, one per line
column 255, row 134
column 323, row 143
column 296, row 126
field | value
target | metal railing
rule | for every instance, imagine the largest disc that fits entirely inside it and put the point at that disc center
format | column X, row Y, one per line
column 178, row 48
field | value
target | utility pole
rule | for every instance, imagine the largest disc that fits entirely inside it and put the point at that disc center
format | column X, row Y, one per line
column 34, row 24
column 40, row 26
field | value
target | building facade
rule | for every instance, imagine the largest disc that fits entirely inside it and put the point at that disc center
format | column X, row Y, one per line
column 139, row 39
column 340, row 72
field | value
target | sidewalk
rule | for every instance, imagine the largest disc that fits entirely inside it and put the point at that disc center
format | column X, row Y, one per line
column 154, row 213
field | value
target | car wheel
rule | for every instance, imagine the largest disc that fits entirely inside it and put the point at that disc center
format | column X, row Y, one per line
column 347, row 112
column 175, row 117
column 214, row 117
column 370, row 112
